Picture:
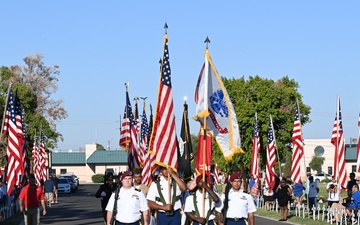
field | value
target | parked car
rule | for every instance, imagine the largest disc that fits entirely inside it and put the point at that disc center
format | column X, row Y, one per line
column 321, row 176
column 64, row 186
column 73, row 177
column 73, row 185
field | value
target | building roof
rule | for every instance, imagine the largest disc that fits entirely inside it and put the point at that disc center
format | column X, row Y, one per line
column 108, row 156
column 68, row 158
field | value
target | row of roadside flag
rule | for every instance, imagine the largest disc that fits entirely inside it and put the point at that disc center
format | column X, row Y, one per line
column 17, row 163
column 298, row 151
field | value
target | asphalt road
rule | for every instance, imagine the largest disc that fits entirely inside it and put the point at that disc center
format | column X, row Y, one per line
column 82, row 208
column 78, row 208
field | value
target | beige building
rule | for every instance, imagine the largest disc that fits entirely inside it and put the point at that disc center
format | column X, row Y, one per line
column 84, row 164
column 324, row 148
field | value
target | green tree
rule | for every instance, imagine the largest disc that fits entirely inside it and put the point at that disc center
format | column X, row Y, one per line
column 100, row 147
column 264, row 96
column 34, row 83
column 316, row 163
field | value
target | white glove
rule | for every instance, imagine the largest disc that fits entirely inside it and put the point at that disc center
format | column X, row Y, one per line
column 103, row 194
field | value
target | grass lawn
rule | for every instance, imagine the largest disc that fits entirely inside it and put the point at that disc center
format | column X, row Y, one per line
column 291, row 218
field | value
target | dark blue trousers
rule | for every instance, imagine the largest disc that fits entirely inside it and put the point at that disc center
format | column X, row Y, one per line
column 233, row 222
column 211, row 222
column 134, row 223
column 163, row 219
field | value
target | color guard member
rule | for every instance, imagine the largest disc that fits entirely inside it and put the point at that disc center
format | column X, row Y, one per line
column 168, row 213
column 236, row 206
column 129, row 204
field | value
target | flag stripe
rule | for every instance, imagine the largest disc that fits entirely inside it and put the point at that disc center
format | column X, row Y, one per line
column 298, row 148
column 270, row 158
column 255, row 157
column 338, row 141
column 163, row 136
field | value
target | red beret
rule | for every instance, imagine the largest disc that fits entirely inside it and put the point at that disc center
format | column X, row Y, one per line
column 235, row 175
column 125, row 174
column 199, row 178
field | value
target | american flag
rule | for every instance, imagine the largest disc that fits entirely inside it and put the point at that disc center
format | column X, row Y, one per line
column 36, row 161
column 42, row 152
column 270, row 158
column 255, row 157
column 298, row 147
column 152, row 157
column 337, row 140
column 216, row 175
column 135, row 132
column 358, row 148
column 144, row 134
column 125, row 136
column 14, row 151
column 25, row 159
column 136, row 116
column 148, row 159
column 20, row 134
column 163, row 137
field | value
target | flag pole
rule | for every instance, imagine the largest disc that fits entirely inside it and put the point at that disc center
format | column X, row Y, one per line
column 4, row 114
column 204, row 165
column 126, row 115
column 337, row 138
column 277, row 152
column 161, row 68
column 298, row 108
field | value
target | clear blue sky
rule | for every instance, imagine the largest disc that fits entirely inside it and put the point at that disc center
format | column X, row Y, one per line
column 100, row 45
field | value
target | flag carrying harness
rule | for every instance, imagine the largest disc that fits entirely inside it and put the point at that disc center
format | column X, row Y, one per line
column 196, row 212
column 161, row 196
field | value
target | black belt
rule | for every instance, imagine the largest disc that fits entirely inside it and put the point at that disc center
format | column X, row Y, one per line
column 236, row 219
column 129, row 223
column 164, row 212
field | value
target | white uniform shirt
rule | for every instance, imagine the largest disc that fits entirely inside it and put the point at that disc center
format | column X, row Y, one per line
column 153, row 193
column 240, row 204
column 334, row 196
column 189, row 204
column 130, row 204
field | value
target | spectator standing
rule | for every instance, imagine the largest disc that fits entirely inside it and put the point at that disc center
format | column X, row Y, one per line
column 268, row 196
column 104, row 192
column 49, row 189
column 56, row 182
column 168, row 213
column 334, row 190
column 283, row 192
column 298, row 193
column 255, row 190
column 349, row 186
column 313, row 191
column 30, row 198
column 237, row 207
column 138, row 182
column 130, row 204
